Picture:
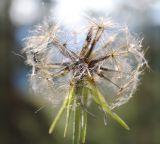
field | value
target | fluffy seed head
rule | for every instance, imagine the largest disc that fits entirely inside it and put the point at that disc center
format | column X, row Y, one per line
column 104, row 52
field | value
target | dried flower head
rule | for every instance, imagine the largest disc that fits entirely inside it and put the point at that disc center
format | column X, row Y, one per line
column 103, row 62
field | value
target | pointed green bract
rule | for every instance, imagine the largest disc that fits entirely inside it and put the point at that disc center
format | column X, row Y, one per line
column 84, row 126
column 58, row 115
column 84, row 115
column 100, row 100
column 71, row 98
column 77, row 125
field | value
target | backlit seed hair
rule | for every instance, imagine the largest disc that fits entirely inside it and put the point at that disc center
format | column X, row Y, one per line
column 103, row 59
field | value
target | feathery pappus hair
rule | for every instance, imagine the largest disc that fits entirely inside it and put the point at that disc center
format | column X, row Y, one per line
column 102, row 62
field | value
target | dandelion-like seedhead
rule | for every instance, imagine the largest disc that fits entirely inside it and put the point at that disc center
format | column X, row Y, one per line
column 102, row 61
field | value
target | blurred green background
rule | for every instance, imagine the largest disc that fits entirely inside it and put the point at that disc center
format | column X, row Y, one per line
column 19, row 124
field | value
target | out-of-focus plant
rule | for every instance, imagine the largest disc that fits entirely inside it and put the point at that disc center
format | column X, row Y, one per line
column 100, row 63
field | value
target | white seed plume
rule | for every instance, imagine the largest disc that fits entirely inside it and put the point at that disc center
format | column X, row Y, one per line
column 113, row 57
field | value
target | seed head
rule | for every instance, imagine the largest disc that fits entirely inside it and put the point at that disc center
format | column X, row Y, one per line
column 106, row 53
column 102, row 61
